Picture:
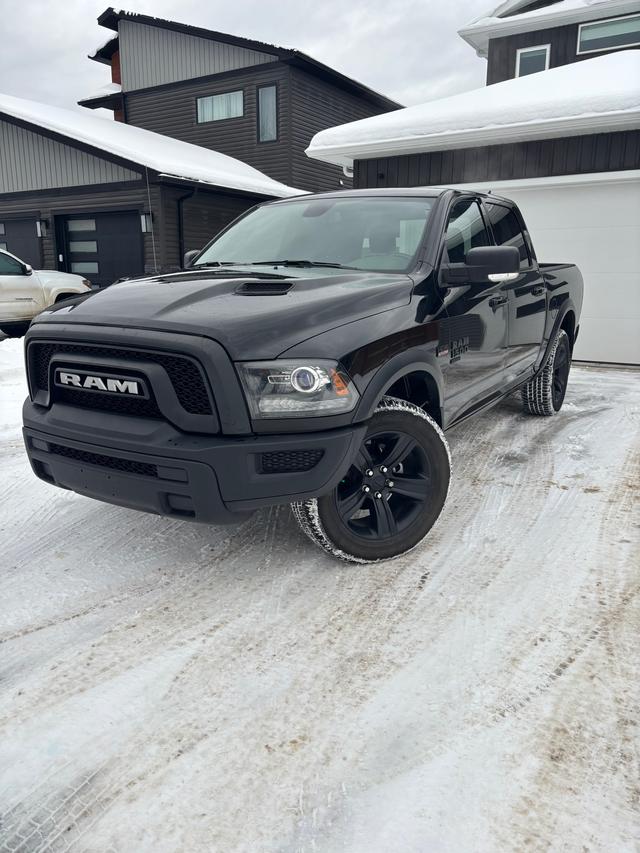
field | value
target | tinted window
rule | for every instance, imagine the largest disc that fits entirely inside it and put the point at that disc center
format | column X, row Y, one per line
column 465, row 230
column 9, row 266
column 507, row 231
column 364, row 233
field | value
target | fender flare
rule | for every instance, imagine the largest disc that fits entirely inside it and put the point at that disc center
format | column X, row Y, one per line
column 389, row 373
column 562, row 313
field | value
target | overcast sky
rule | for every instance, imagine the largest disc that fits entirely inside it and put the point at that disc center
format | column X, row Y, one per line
column 406, row 49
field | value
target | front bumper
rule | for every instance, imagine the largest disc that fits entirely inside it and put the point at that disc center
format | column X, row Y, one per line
column 151, row 466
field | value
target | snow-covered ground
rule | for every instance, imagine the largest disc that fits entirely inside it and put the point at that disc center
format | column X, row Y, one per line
column 174, row 687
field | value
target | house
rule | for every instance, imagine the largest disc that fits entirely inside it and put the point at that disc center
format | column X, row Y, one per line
column 89, row 195
column 557, row 129
column 254, row 101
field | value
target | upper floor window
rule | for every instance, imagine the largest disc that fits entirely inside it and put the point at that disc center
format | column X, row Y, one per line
column 507, row 231
column 267, row 114
column 218, row 107
column 609, row 35
column 530, row 60
column 2, row 231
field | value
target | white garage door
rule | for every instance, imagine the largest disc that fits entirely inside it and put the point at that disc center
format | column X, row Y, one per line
column 594, row 222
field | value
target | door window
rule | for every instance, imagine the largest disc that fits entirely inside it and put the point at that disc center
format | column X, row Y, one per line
column 10, row 266
column 465, row 230
column 507, row 231
column 81, row 225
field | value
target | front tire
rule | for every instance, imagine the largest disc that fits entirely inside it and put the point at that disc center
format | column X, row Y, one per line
column 392, row 494
column 544, row 395
column 15, row 330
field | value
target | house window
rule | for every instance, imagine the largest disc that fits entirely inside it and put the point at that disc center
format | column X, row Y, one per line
column 2, row 231
column 219, row 107
column 85, row 267
column 609, row 35
column 530, row 60
column 267, row 114
column 83, row 246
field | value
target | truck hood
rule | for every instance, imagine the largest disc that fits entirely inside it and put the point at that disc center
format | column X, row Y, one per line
column 253, row 315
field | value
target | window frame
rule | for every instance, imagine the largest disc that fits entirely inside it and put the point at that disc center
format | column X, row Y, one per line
column 443, row 254
column 259, row 88
column 217, row 95
column 547, row 59
column 488, row 202
column 604, row 49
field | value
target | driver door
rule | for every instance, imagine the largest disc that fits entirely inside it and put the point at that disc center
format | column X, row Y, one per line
column 19, row 291
column 473, row 335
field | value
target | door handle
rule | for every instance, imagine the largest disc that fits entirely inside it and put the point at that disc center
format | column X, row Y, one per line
column 496, row 301
column 538, row 290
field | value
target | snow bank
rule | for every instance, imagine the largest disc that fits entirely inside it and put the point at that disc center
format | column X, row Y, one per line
column 585, row 97
column 161, row 153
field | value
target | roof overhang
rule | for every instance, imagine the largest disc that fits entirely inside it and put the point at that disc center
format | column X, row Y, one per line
column 594, row 96
column 110, row 19
column 105, row 52
column 480, row 31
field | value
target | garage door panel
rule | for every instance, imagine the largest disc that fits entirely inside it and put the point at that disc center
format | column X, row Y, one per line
column 595, row 250
column 580, row 207
column 609, row 297
column 615, row 341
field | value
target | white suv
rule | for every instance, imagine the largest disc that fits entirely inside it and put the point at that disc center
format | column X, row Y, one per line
column 25, row 292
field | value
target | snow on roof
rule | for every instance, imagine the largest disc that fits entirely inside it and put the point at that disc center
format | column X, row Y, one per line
column 104, row 92
column 500, row 22
column 161, row 153
column 585, row 97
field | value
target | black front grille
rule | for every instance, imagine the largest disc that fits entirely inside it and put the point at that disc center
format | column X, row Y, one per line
column 113, row 462
column 122, row 405
column 185, row 375
column 284, row 461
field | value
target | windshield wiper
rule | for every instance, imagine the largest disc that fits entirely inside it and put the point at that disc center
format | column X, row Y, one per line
column 220, row 264
column 301, row 263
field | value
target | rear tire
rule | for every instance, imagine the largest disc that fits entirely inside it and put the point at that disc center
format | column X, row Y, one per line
column 544, row 395
column 392, row 494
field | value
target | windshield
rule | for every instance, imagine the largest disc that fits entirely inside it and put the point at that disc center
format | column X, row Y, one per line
column 369, row 233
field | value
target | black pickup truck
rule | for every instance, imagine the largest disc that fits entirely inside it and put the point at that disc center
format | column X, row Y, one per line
column 313, row 353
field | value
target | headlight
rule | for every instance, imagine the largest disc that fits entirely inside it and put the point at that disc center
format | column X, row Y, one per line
column 290, row 389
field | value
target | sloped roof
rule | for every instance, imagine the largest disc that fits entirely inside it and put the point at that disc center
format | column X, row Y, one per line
column 505, row 20
column 110, row 19
column 154, row 151
column 595, row 95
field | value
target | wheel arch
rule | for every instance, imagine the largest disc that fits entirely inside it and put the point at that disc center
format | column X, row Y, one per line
column 419, row 378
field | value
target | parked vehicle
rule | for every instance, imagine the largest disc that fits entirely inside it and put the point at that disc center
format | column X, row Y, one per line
column 24, row 292
column 312, row 354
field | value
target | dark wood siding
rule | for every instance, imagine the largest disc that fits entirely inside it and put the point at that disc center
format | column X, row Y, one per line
column 306, row 105
column 315, row 106
column 602, row 152
column 501, row 62
column 171, row 110
column 206, row 214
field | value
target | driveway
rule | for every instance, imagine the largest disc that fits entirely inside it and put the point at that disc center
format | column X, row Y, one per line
column 175, row 687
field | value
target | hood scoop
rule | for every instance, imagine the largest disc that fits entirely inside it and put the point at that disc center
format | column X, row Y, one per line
column 264, row 288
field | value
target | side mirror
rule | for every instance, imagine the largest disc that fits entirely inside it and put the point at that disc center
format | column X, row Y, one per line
column 27, row 269
column 189, row 257
column 483, row 265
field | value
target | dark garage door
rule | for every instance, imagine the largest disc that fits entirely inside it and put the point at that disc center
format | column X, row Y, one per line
column 103, row 247
column 19, row 237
